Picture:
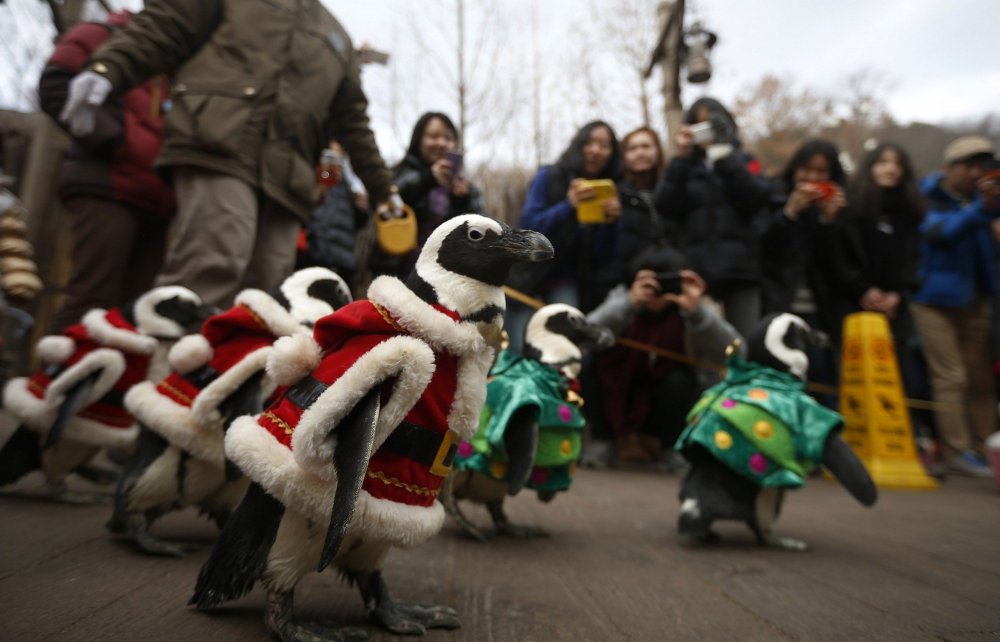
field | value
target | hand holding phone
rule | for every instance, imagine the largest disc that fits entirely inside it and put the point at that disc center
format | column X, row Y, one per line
column 670, row 282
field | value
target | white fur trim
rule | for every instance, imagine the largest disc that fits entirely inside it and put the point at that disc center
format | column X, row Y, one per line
column 206, row 405
column 305, row 308
column 55, row 348
column 95, row 433
column 176, row 423
column 421, row 320
column 190, row 353
column 292, row 358
column 150, row 322
column 264, row 460
column 408, row 359
column 39, row 414
column 101, row 331
column 278, row 320
column 470, row 393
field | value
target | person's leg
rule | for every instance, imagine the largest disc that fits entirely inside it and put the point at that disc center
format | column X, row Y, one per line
column 104, row 232
column 274, row 249
column 212, row 235
column 742, row 307
column 939, row 337
column 976, row 356
column 147, row 255
column 515, row 321
column 673, row 397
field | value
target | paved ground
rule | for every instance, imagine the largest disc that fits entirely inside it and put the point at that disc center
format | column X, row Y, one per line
column 919, row 566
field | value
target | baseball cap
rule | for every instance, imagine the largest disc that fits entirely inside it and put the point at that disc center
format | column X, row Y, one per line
column 966, row 147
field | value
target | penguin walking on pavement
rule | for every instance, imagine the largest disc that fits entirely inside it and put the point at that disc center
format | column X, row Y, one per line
column 757, row 433
column 348, row 461
column 217, row 375
column 530, row 430
column 73, row 407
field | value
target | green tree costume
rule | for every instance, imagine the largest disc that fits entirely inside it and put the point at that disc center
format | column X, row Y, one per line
column 517, row 382
column 761, row 424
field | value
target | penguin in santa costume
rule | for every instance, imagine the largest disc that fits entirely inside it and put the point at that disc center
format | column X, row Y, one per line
column 73, row 407
column 530, row 430
column 347, row 463
column 216, row 376
column 757, row 433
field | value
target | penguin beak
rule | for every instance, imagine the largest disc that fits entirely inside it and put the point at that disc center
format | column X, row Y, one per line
column 526, row 245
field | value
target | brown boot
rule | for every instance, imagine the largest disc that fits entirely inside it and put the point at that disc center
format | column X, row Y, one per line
column 629, row 450
column 652, row 445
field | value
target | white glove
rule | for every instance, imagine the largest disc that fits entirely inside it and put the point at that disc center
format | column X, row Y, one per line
column 87, row 91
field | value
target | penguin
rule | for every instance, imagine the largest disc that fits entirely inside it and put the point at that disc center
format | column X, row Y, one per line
column 73, row 407
column 529, row 432
column 216, row 376
column 757, row 433
column 347, row 462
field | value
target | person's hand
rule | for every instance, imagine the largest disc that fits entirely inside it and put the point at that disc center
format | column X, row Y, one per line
column 803, row 196
column 989, row 192
column 644, row 289
column 830, row 208
column 692, row 290
column 579, row 191
column 460, row 186
column 442, row 172
column 361, row 201
column 87, row 91
column 392, row 207
column 612, row 208
column 684, row 141
column 872, row 299
column 890, row 304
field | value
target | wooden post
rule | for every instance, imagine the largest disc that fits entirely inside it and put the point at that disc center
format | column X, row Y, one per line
column 667, row 54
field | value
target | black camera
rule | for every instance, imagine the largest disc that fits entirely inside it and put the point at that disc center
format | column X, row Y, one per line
column 670, row 282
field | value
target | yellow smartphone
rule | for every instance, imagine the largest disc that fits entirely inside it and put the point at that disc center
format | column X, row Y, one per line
column 592, row 209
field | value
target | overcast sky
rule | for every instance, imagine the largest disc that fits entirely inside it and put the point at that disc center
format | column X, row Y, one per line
column 940, row 58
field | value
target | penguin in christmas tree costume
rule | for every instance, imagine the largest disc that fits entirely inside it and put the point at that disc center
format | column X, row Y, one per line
column 73, row 407
column 347, row 463
column 758, row 433
column 529, row 432
column 216, row 377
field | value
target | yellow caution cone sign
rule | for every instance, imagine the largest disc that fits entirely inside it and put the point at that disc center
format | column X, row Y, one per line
column 876, row 421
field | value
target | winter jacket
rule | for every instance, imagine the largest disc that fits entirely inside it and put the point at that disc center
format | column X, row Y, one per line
column 585, row 254
column 331, row 232
column 261, row 87
column 115, row 161
column 640, row 227
column 714, row 210
column 957, row 249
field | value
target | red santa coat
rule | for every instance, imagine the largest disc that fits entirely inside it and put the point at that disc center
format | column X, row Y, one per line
column 103, row 341
column 431, row 369
column 232, row 346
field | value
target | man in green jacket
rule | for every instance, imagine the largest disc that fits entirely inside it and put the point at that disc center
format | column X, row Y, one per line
column 260, row 88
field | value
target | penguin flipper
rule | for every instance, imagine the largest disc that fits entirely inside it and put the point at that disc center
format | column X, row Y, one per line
column 520, row 438
column 19, row 456
column 355, row 435
column 843, row 464
column 245, row 400
column 72, row 402
column 239, row 556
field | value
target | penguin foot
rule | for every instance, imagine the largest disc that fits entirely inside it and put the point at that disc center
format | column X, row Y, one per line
column 279, row 620
column 96, row 475
column 63, row 495
column 521, row 531
column 402, row 618
column 786, row 543
column 474, row 531
column 163, row 548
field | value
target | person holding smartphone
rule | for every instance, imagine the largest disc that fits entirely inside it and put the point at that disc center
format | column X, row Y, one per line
column 431, row 180
column 712, row 194
column 638, row 399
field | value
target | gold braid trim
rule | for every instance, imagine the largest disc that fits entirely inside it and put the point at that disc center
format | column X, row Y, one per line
column 174, row 391
column 281, row 422
column 387, row 317
column 410, row 488
column 253, row 315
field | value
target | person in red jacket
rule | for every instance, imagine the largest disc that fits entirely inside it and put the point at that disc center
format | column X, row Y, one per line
column 117, row 204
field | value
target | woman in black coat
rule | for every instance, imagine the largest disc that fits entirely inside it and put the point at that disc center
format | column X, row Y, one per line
column 712, row 193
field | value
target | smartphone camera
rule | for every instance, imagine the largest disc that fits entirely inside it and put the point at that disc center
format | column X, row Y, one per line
column 670, row 282
column 703, row 133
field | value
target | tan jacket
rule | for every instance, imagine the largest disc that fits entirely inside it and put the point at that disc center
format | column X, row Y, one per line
column 261, row 87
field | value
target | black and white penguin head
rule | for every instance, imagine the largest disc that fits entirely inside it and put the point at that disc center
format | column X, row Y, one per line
column 466, row 260
column 557, row 334
column 780, row 341
column 169, row 312
column 312, row 293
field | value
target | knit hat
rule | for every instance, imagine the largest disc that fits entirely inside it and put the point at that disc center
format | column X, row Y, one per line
column 967, row 147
